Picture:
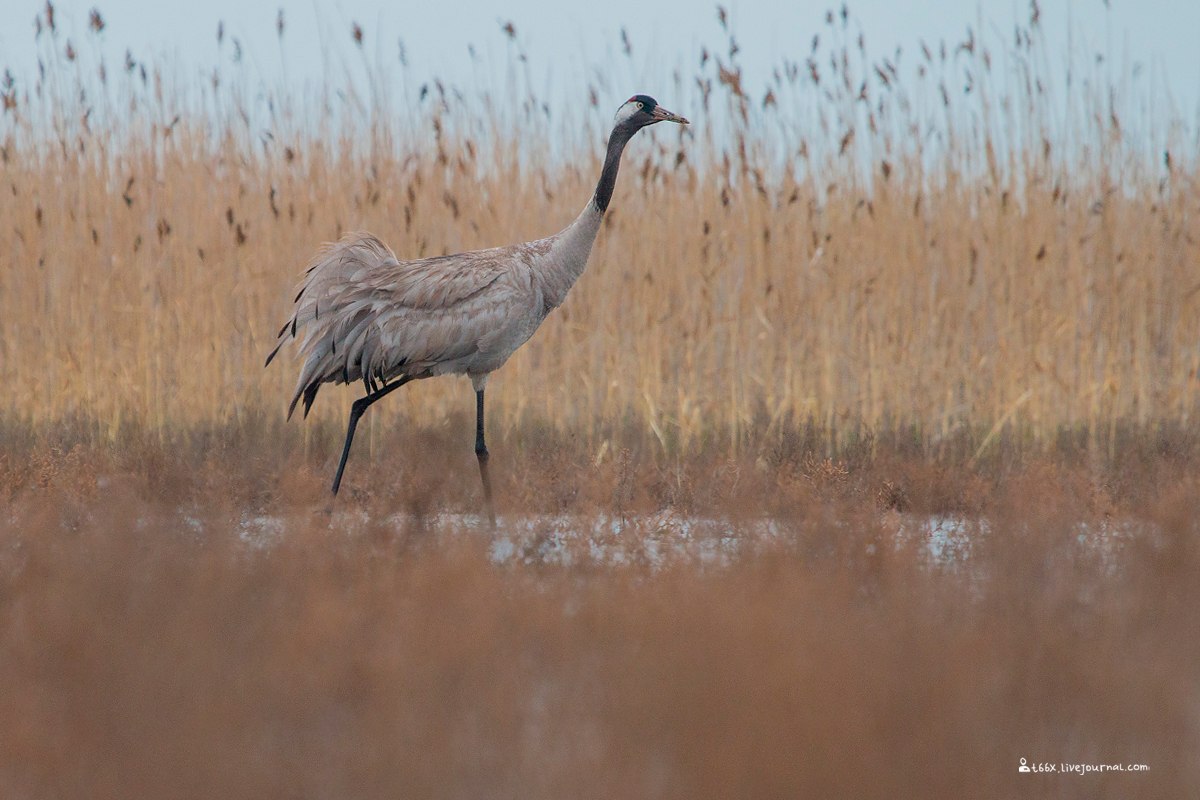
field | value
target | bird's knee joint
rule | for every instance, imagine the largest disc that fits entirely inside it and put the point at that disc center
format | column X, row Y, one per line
column 481, row 451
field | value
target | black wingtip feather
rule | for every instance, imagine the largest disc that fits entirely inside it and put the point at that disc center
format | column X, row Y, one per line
column 310, row 394
column 278, row 346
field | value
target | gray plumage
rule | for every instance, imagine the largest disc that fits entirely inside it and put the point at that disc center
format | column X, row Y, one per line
column 365, row 315
column 361, row 314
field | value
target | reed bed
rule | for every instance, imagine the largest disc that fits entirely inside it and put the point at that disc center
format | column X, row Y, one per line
column 954, row 240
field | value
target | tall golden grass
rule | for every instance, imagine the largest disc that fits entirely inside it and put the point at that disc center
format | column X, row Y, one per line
column 860, row 246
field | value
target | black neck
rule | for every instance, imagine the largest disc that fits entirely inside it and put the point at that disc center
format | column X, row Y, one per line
column 612, row 162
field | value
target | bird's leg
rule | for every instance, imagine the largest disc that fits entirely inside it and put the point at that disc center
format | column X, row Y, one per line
column 481, row 453
column 357, row 410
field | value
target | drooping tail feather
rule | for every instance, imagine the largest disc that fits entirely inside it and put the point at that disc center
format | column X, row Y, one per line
column 328, row 282
column 275, row 351
column 310, row 394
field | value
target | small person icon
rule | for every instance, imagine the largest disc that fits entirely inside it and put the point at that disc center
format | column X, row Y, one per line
column 1024, row 767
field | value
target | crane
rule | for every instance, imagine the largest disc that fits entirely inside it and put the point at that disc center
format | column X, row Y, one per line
column 364, row 315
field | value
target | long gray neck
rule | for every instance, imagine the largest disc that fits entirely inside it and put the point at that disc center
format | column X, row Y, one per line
column 612, row 162
column 571, row 247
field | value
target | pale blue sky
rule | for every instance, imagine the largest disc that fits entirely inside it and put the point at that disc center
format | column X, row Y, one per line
column 569, row 41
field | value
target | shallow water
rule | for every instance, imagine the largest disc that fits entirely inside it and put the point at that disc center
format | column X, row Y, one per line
column 653, row 540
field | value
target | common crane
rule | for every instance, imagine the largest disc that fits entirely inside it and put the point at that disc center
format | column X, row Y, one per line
column 367, row 316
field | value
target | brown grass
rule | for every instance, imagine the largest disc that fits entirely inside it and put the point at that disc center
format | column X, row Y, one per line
column 141, row 658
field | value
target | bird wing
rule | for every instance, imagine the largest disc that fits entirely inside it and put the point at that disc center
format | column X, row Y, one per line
column 366, row 315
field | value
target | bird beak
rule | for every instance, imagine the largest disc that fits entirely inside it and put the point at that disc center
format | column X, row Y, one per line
column 660, row 114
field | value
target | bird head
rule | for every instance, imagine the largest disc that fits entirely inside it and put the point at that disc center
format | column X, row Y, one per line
column 642, row 110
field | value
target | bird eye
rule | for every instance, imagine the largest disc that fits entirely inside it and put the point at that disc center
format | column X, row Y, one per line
column 641, row 104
